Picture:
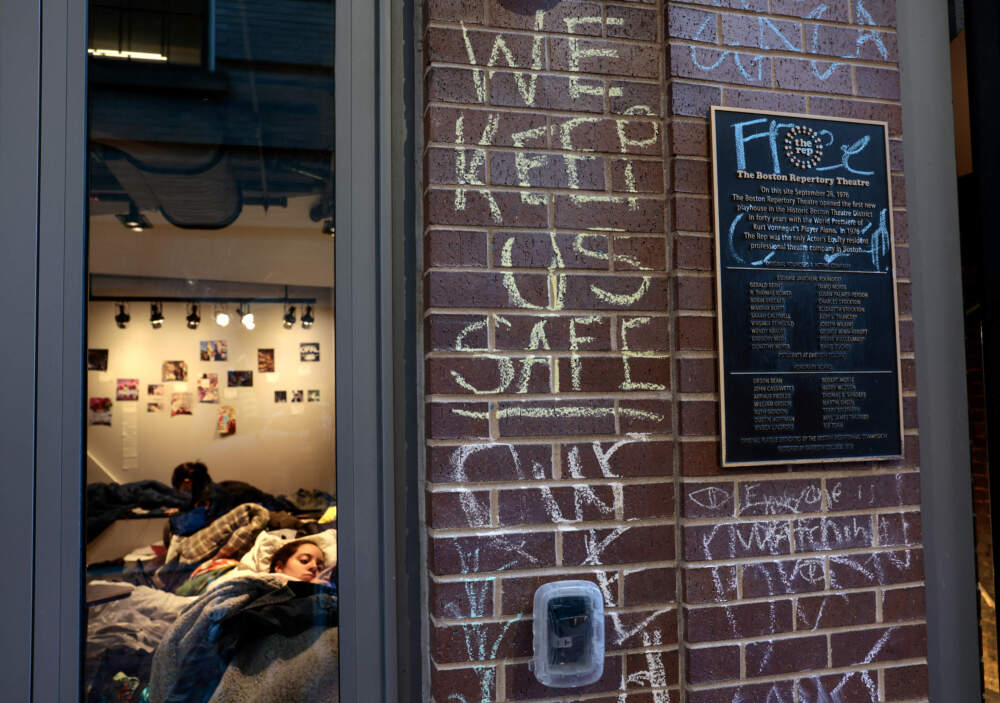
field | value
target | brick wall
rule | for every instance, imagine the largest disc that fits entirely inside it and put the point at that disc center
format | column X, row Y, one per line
column 571, row 403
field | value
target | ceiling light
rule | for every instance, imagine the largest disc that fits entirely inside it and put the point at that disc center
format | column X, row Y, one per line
column 156, row 315
column 246, row 317
column 193, row 318
column 307, row 318
column 288, row 319
column 122, row 318
column 221, row 317
column 134, row 220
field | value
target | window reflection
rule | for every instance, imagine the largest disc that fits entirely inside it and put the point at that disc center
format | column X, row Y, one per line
column 211, row 494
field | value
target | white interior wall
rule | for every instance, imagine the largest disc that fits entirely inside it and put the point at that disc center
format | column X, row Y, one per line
column 278, row 447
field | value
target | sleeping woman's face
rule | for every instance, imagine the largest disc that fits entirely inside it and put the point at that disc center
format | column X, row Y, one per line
column 305, row 564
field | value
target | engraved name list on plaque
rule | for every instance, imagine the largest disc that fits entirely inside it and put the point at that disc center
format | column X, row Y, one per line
column 809, row 350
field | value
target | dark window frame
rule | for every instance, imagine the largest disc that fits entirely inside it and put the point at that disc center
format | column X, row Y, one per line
column 43, row 64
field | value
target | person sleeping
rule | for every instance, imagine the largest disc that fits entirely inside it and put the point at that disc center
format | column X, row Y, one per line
column 299, row 561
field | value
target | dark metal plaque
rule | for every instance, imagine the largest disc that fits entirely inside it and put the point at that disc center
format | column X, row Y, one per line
column 809, row 362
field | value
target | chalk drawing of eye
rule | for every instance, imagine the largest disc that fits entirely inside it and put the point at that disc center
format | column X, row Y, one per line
column 810, row 570
column 803, row 146
column 710, row 498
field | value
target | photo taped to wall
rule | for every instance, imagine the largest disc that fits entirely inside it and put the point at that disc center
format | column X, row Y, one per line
column 296, row 396
column 181, row 404
column 214, row 350
column 313, row 396
column 226, row 424
column 175, row 370
column 156, row 407
column 280, row 397
column 208, row 388
column 309, row 351
column 265, row 360
column 100, row 411
column 127, row 389
column 240, row 379
column 97, row 359
column 155, row 390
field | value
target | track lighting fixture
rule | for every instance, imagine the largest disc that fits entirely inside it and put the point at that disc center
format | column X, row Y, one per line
column 288, row 319
column 307, row 318
column 156, row 315
column 134, row 220
column 122, row 318
column 193, row 318
column 221, row 317
column 246, row 317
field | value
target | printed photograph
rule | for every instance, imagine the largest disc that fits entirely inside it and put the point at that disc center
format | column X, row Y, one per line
column 265, row 360
column 154, row 407
column 313, row 396
column 100, row 411
column 128, row 389
column 97, row 360
column 296, row 396
column 181, row 404
column 240, row 379
column 280, row 397
column 309, row 351
column 214, row 350
column 156, row 390
column 175, row 370
column 208, row 388
column 226, row 424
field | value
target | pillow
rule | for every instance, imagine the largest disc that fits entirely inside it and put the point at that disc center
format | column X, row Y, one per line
column 259, row 556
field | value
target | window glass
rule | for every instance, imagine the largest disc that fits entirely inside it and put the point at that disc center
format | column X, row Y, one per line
column 211, row 547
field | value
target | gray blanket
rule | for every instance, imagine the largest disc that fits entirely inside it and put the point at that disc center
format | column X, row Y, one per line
column 276, row 668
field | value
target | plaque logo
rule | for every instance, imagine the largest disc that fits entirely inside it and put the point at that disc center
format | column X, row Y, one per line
column 803, row 147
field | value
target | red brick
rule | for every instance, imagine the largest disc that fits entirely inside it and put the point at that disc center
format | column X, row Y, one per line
column 898, row 192
column 487, row 290
column 630, row 634
column 692, row 100
column 725, row 622
column 777, row 578
column 590, row 333
column 632, row 214
column 607, row 373
column 468, row 683
column 877, row 83
column 866, row 492
column 836, row 10
column 833, row 41
column 448, row 644
column 691, row 176
column 631, row 293
column 558, row 17
column 820, row 612
column 445, row 207
column 736, row 540
column 633, row 176
column 696, row 375
column 835, row 532
column 453, row 85
column 856, row 109
column 645, row 586
column 639, row 663
column 653, row 416
column 855, row 686
column 634, row 135
column 618, row 58
column 906, row 683
column 640, row 253
column 896, row 154
column 812, row 75
column 470, row 11
column 522, row 684
column 631, row 545
column 906, row 336
column 699, row 458
column 751, row 5
column 648, row 501
column 763, row 100
column 698, row 417
column 694, row 293
column 448, row 421
column 449, row 46
column 467, row 375
column 900, row 227
column 703, row 500
column 556, row 417
column 536, row 506
column 693, row 253
column 460, row 555
column 489, row 462
column 712, row 664
column 442, row 125
column 878, row 645
column 712, row 585
column 633, row 98
column 535, row 250
column 468, row 599
column 899, row 529
column 454, row 332
column 786, row 656
column 517, row 593
column 902, row 261
column 550, row 92
column 440, row 165
column 692, row 214
column 780, row 497
column 728, row 67
column 881, row 12
column 688, row 23
column 749, row 693
column 629, row 459
column 546, row 170
column 636, row 23
column 903, row 604
column 458, row 509
column 455, row 248
column 761, row 33
column 689, row 138
column 876, row 569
